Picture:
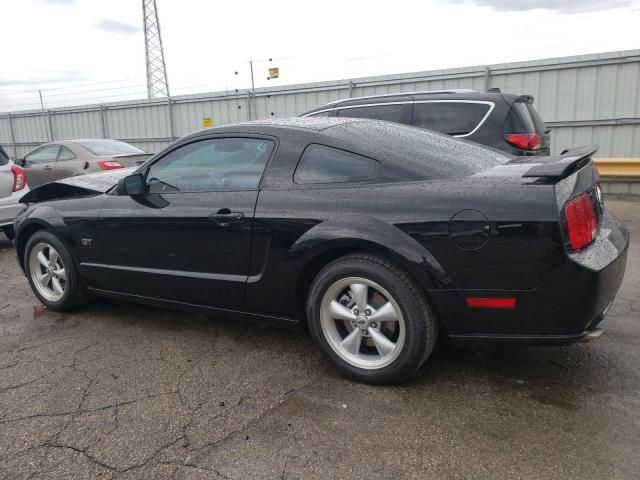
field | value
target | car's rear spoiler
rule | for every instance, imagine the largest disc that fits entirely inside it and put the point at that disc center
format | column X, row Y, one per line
column 559, row 166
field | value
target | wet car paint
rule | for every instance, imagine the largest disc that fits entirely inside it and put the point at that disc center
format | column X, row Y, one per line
column 405, row 214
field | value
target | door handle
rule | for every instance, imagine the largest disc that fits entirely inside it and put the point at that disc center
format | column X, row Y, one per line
column 224, row 217
column 48, row 167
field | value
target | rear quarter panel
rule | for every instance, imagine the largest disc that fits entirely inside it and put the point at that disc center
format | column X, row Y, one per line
column 408, row 222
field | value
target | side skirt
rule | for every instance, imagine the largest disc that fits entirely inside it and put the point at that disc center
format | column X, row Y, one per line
column 257, row 318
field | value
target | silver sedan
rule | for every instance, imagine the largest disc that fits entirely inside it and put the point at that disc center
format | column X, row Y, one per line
column 68, row 158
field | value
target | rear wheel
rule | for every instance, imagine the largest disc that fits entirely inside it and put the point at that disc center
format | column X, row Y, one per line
column 370, row 319
column 52, row 273
column 9, row 233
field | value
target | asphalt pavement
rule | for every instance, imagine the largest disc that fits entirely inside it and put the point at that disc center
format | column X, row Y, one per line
column 118, row 390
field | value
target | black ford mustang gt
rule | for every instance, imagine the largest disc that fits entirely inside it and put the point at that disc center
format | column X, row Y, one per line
column 375, row 235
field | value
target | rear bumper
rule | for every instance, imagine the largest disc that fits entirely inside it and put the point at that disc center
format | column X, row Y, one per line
column 10, row 206
column 568, row 304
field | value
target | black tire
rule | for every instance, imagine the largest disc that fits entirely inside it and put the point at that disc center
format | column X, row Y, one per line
column 75, row 294
column 420, row 324
column 9, row 233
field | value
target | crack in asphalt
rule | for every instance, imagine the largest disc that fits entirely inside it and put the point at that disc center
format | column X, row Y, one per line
column 286, row 397
column 85, row 453
column 91, row 410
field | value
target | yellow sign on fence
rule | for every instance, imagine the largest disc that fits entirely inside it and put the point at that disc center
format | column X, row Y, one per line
column 207, row 122
column 274, row 72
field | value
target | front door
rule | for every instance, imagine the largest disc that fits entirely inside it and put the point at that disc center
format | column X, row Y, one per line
column 189, row 237
column 40, row 165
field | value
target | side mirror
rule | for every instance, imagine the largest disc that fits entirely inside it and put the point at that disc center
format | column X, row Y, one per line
column 21, row 162
column 132, row 185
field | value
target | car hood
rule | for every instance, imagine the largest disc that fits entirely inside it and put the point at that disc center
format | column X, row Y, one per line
column 79, row 186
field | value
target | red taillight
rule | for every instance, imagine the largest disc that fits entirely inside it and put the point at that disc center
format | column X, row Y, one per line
column 109, row 164
column 524, row 141
column 581, row 221
column 491, row 302
column 19, row 178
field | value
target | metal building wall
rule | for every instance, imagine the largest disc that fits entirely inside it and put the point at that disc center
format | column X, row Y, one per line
column 584, row 99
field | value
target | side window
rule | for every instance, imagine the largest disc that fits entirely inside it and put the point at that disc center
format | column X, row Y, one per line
column 523, row 118
column 212, row 165
column 390, row 113
column 65, row 154
column 452, row 118
column 46, row 154
column 320, row 164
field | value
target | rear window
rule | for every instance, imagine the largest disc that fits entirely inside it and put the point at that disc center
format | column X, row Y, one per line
column 408, row 153
column 110, row 147
column 523, row 118
column 390, row 113
column 452, row 118
column 321, row 164
column 4, row 158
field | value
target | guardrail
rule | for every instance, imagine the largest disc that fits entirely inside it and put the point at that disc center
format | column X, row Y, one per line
column 618, row 167
column 619, row 175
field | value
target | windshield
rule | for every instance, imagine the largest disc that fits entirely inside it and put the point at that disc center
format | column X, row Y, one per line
column 109, row 147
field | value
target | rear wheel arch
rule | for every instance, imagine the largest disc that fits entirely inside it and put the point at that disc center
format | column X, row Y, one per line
column 419, row 318
column 321, row 259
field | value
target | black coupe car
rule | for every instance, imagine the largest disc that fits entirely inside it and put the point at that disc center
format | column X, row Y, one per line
column 375, row 235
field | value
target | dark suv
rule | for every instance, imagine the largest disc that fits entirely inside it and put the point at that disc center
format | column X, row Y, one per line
column 500, row 120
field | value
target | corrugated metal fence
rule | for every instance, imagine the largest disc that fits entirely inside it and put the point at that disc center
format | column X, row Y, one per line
column 584, row 99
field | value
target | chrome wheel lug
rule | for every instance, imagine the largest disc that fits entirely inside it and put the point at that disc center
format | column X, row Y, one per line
column 355, row 311
column 373, row 325
column 367, row 312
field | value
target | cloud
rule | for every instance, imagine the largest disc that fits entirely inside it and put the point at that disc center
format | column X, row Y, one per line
column 563, row 6
column 114, row 26
column 44, row 78
column 57, row 2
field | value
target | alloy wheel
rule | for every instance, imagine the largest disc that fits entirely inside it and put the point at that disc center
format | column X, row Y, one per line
column 362, row 323
column 47, row 272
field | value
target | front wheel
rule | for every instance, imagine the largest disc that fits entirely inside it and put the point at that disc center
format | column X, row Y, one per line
column 370, row 319
column 52, row 272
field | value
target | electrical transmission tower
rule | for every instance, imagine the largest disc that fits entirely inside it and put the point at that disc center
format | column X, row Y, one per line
column 157, row 82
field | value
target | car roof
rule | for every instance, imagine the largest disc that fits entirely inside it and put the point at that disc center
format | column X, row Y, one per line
column 78, row 141
column 455, row 94
column 273, row 126
column 341, row 132
column 317, row 123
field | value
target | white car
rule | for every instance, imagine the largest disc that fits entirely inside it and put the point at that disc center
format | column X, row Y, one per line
column 13, row 185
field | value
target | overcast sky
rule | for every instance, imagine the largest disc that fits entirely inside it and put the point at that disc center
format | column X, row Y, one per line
column 91, row 51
